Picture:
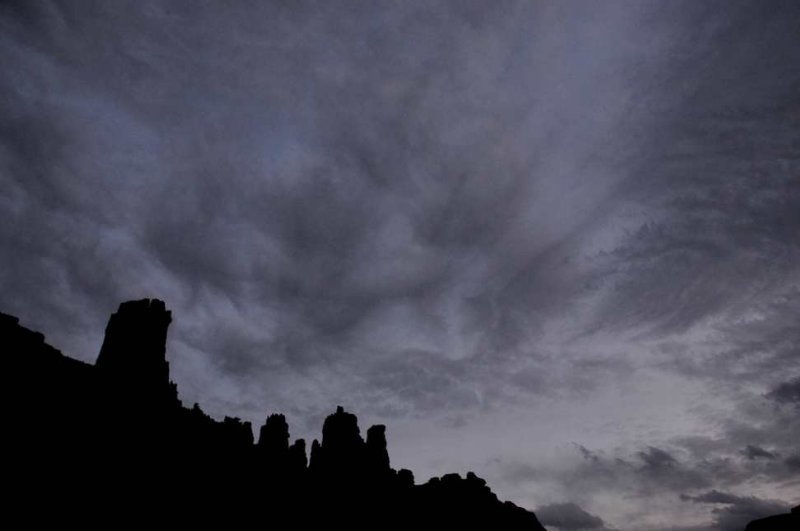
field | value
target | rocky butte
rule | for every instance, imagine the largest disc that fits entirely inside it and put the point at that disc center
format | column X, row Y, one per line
column 111, row 444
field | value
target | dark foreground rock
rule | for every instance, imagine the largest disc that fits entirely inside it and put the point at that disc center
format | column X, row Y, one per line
column 779, row 522
column 111, row 444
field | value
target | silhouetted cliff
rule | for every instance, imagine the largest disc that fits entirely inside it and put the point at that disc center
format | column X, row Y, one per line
column 779, row 522
column 111, row 443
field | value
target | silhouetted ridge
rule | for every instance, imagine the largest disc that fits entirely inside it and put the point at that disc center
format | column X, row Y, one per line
column 779, row 522
column 88, row 441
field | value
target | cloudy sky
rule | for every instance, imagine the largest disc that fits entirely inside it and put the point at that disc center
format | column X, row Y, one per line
column 556, row 243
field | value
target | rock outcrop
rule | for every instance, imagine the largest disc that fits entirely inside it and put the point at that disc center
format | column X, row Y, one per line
column 779, row 522
column 112, row 443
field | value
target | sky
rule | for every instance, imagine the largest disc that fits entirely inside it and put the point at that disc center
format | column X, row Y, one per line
column 555, row 243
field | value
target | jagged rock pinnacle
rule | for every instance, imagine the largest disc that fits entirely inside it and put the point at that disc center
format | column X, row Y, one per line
column 99, row 432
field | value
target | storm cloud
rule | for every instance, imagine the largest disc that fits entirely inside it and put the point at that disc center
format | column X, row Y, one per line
column 787, row 392
column 568, row 516
column 736, row 511
column 554, row 243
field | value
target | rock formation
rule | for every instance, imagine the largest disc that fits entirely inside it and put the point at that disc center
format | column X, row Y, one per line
column 111, row 443
column 779, row 522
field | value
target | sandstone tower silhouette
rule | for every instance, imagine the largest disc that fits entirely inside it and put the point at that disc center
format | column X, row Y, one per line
column 112, row 440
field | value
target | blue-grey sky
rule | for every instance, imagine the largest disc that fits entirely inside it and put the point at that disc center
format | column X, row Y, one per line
column 556, row 243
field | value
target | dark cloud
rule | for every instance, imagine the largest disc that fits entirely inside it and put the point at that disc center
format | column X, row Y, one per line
column 787, row 392
column 689, row 465
column 568, row 516
column 756, row 452
column 586, row 453
column 657, row 460
column 640, row 474
column 713, row 496
column 793, row 462
column 738, row 510
column 648, row 470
